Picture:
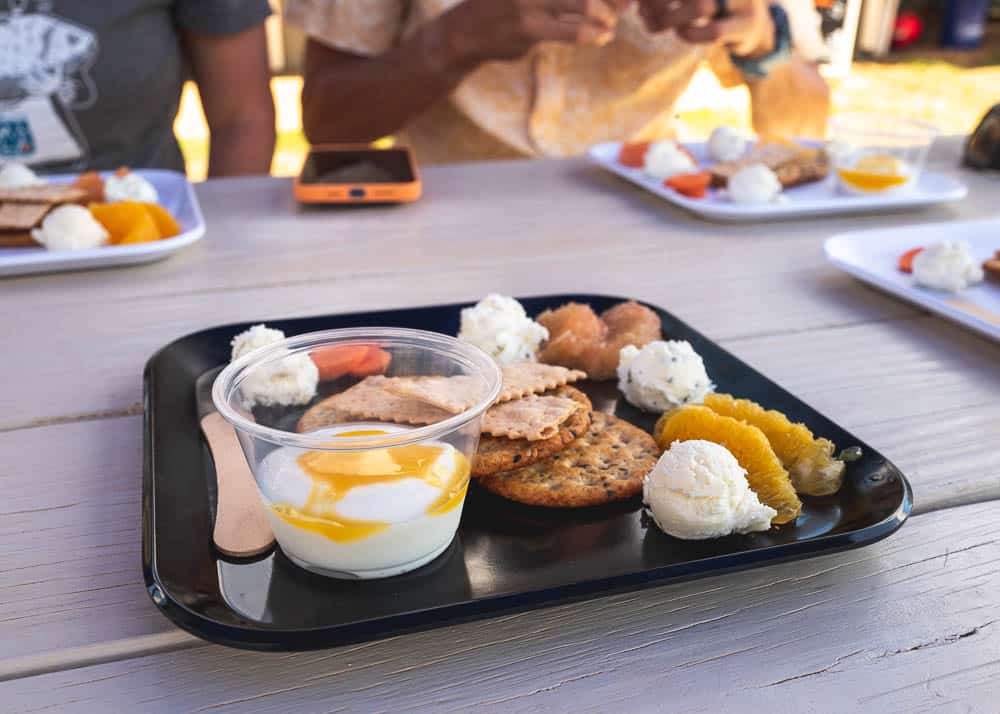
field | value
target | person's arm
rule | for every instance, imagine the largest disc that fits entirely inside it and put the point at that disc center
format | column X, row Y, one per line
column 792, row 100
column 349, row 97
column 233, row 80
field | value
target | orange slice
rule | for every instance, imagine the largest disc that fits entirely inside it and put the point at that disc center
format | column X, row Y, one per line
column 131, row 222
column 865, row 181
column 165, row 222
column 809, row 461
column 119, row 219
column 765, row 474
column 142, row 231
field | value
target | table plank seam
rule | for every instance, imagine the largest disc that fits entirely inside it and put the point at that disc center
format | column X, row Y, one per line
column 177, row 639
column 945, row 504
column 134, row 409
column 826, row 327
column 100, row 653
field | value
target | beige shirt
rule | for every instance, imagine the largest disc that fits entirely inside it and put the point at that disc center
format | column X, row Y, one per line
column 556, row 101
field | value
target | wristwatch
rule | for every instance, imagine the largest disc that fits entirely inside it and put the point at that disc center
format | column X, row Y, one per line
column 760, row 67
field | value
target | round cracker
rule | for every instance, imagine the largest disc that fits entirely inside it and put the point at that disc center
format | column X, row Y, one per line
column 498, row 453
column 606, row 464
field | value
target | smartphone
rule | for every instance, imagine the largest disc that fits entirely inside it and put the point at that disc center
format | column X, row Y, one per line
column 358, row 174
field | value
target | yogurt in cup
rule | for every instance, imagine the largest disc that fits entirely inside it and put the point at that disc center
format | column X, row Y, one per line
column 359, row 498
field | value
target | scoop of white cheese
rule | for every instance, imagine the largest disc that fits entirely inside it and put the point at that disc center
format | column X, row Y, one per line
column 14, row 175
column 754, row 184
column 279, row 382
column 726, row 144
column 499, row 326
column 70, row 227
column 698, row 490
column 130, row 187
column 662, row 375
column 947, row 266
column 665, row 159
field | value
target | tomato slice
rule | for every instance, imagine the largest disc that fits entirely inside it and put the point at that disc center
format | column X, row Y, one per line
column 375, row 362
column 633, row 154
column 691, row 185
column 334, row 362
column 906, row 259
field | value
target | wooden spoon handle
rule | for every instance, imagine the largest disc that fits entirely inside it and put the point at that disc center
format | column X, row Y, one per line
column 241, row 527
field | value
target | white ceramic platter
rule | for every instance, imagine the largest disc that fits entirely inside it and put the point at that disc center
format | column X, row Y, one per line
column 176, row 195
column 872, row 256
column 811, row 200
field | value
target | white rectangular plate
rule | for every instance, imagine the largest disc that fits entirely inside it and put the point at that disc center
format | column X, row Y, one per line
column 816, row 199
column 176, row 195
column 872, row 255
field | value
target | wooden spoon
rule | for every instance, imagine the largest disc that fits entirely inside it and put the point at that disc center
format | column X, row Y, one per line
column 241, row 527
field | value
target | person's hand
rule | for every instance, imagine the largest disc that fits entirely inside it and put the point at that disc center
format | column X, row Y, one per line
column 482, row 30
column 746, row 29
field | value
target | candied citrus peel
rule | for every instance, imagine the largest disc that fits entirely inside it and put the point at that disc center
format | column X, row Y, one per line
column 765, row 474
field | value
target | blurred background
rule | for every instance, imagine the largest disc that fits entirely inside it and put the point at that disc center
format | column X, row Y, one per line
column 933, row 60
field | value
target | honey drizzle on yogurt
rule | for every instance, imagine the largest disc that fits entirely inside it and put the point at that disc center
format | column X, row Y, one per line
column 333, row 474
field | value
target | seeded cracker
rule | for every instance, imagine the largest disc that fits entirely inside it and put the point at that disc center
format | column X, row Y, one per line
column 606, row 464
column 498, row 453
column 532, row 418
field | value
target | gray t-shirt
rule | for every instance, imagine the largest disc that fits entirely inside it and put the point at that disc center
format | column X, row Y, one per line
column 96, row 83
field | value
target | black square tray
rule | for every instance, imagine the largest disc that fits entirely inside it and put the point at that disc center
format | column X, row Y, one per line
column 505, row 557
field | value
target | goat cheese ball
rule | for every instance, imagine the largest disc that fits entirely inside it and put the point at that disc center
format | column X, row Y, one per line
column 70, row 227
column 754, row 184
column 948, row 266
column 130, row 187
column 726, row 144
column 662, row 375
column 499, row 326
column 286, row 381
column 665, row 159
column 698, row 490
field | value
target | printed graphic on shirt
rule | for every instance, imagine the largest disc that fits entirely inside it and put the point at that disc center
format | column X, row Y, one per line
column 45, row 63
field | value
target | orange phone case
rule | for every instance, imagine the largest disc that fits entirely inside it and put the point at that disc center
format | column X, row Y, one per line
column 360, row 192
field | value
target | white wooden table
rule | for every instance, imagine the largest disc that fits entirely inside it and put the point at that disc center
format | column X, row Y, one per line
column 911, row 622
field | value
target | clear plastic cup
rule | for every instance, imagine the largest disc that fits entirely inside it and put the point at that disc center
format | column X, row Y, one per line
column 356, row 497
column 878, row 153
